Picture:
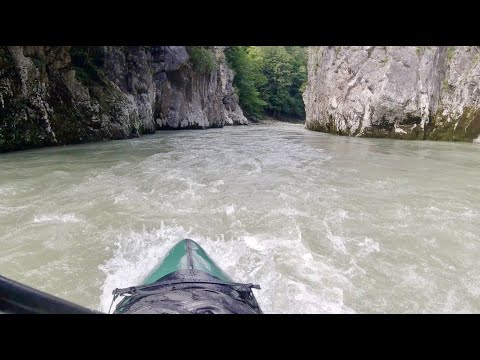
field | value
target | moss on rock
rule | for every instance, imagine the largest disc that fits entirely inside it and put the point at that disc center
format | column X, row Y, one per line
column 464, row 128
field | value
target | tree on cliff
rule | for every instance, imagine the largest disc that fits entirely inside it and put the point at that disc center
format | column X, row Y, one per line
column 248, row 78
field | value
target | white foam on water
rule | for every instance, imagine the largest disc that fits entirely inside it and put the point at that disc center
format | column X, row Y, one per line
column 135, row 256
column 290, row 212
column 213, row 186
column 8, row 191
column 285, row 269
column 65, row 218
column 322, row 223
column 281, row 266
column 119, row 198
column 257, row 166
column 369, row 245
column 413, row 279
column 470, row 213
column 472, row 284
column 337, row 241
column 229, row 209
column 217, row 183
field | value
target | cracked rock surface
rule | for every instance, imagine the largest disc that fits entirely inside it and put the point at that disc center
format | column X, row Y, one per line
column 405, row 92
column 46, row 98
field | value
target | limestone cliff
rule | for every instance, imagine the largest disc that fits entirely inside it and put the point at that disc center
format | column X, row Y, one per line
column 402, row 92
column 63, row 95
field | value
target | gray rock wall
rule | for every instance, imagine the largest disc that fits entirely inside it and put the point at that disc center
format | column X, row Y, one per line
column 404, row 92
column 62, row 95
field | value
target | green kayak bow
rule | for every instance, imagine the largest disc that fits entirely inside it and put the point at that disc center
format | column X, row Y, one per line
column 188, row 281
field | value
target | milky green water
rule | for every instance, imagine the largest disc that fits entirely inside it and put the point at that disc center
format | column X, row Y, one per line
column 324, row 224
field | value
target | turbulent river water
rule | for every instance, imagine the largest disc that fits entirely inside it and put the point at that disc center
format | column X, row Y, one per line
column 325, row 224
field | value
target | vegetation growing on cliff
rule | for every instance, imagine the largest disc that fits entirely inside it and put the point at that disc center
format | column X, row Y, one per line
column 270, row 79
column 5, row 59
column 88, row 62
column 248, row 79
column 202, row 59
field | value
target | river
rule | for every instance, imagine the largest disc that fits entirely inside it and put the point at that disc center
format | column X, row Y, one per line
column 325, row 224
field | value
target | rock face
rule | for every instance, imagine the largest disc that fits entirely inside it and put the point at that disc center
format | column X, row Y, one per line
column 63, row 95
column 403, row 92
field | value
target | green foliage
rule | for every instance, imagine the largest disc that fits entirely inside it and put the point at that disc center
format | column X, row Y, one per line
column 248, row 78
column 84, row 75
column 39, row 60
column 83, row 55
column 202, row 59
column 88, row 62
column 6, row 60
column 476, row 59
column 445, row 85
column 450, row 52
column 270, row 79
column 303, row 87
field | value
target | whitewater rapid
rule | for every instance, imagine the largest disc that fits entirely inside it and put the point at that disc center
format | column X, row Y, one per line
column 324, row 224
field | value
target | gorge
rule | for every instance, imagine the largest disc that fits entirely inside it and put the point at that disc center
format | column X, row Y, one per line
column 63, row 95
column 366, row 222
